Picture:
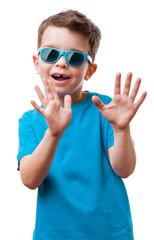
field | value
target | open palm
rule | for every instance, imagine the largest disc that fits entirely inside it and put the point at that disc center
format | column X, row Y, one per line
column 57, row 117
column 120, row 111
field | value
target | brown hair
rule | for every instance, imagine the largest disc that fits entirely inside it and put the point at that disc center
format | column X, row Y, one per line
column 74, row 21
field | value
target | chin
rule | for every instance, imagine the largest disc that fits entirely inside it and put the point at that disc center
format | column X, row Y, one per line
column 62, row 94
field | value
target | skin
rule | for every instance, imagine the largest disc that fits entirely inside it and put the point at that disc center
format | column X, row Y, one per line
column 64, row 39
column 119, row 113
column 35, row 167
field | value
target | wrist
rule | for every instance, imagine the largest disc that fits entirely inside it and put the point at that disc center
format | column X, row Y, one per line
column 52, row 135
column 125, row 130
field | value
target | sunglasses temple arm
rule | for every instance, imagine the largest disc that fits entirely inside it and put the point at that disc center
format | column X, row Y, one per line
column 89, row 59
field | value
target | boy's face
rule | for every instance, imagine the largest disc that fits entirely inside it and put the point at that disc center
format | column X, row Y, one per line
column 72, row 77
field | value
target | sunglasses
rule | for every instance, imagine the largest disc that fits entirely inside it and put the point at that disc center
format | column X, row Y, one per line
column 73, row 58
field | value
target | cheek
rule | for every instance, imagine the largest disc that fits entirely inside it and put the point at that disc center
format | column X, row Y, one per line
column 80, row 73
column 44, row 70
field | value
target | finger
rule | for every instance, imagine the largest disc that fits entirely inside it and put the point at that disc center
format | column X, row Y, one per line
column 135, row 89
column 67, row 102
column 98, row 103
column 53, row 90
column 127, row 84
column 47, row 89
column 117, row 88
column 141, row 100
column 40, row 96
column 37, row 107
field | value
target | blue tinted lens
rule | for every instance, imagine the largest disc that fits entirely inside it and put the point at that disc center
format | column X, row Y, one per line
column 49, row 55
column 75, row 59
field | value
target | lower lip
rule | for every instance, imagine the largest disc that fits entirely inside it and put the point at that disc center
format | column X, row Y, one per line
column 61, row 82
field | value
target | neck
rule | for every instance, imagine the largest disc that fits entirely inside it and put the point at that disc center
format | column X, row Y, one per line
column 75, row 99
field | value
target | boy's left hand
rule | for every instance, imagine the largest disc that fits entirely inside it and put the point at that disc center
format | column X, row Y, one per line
column 120, row 111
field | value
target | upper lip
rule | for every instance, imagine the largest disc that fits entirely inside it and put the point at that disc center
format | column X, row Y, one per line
column 60, row 75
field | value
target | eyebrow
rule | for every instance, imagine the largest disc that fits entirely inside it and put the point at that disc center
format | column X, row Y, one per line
column 75, row 49
column 72, row 49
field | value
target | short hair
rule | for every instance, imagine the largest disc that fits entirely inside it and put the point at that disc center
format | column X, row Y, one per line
column 77, row 22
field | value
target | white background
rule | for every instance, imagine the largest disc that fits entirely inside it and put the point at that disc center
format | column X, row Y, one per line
column 127, row 45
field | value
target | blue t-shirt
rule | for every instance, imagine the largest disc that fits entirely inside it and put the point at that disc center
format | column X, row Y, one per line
column 81, row 198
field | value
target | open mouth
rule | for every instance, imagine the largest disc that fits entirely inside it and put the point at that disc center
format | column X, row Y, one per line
column 60, row 77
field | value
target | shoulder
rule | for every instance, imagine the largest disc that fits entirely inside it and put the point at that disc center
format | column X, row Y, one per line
column 31, row 117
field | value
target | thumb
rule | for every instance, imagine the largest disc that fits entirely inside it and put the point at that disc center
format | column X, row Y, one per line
column 67, row 101
column 98, row 103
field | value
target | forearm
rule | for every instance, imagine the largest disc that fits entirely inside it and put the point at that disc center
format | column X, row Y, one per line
column 122, row 155
column 35, row 167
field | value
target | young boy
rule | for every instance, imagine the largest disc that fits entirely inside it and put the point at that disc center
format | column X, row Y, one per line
column 77, row 147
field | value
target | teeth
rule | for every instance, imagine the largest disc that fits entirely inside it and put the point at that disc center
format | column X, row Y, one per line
column 59, row 77
column 56, row 75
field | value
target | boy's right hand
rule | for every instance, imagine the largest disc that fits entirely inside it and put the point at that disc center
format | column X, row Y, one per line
column 57, row 117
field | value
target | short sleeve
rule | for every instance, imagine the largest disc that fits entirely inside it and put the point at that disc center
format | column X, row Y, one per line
column 27, row 138
column 110, row 136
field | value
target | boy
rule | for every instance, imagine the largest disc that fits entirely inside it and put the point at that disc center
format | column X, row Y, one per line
column 76, row 147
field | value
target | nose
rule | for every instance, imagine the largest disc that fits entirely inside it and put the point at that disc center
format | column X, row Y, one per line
column 61, row 62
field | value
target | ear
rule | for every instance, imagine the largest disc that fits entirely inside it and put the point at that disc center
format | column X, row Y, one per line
column 91, row 70
column 36, row 63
